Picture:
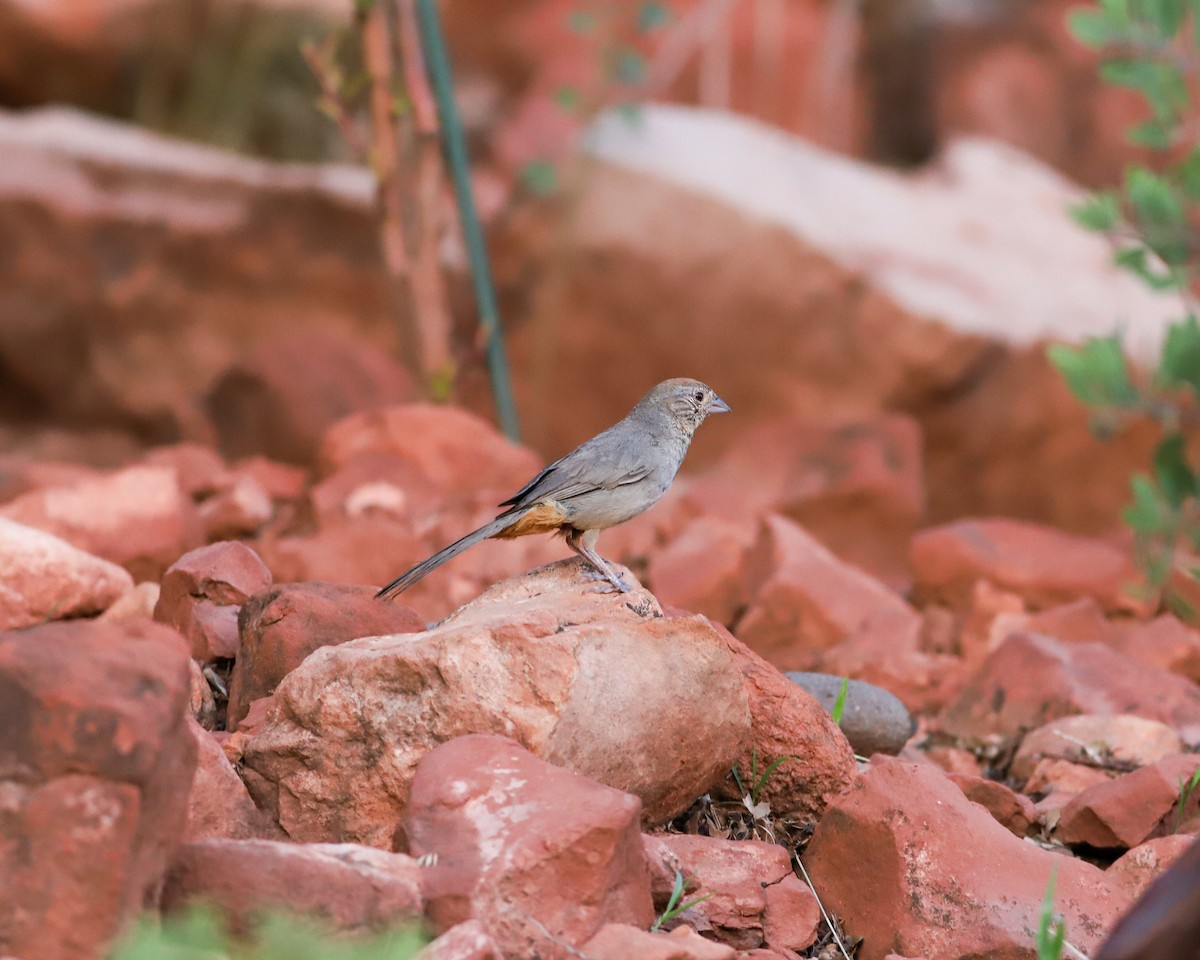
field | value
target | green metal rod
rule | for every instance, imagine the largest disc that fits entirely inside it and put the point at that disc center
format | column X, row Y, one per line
column 438, row 63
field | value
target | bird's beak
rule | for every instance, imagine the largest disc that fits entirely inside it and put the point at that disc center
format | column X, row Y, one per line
column 717, row 405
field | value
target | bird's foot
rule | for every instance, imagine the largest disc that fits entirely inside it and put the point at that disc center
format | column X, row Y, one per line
column 607, row 583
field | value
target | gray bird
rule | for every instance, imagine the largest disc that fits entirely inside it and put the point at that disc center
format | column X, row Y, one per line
column 610, row 479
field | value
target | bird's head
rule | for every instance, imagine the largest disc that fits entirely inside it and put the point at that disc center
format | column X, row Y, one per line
column 687, row 401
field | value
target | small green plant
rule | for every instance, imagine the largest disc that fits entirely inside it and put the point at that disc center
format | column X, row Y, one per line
column 199, row 934
column 1052, row 932
column 839, row 705
column 1150, row 46
column 1186, row 789
column 674, row 908
column 757, row 780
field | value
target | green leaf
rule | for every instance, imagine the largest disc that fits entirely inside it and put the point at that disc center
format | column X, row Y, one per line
column 1171, row 470
column 1099, row 212
column 567, row 98
column 839, row 705
column 1180, row 363
column 581, row 21
column 540, row 177
column 1145, row 514
column 1093, row 28
column 1156, row 201
column 628, row 67
column 1164, row 16
column 651, row 16
column 1096, row 372
column 1117, row 12
column 1152, row 133
column 1161, row 83
column 1136, row 260
column 1187, row 173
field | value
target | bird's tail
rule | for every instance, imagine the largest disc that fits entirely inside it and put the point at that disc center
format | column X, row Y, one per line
column 406, row 580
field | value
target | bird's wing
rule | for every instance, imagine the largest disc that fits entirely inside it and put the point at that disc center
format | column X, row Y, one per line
column 603, row 463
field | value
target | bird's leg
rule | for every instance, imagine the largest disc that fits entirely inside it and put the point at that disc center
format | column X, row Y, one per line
column 584, row 543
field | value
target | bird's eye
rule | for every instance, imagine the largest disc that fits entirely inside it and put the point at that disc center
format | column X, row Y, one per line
column 699, row 395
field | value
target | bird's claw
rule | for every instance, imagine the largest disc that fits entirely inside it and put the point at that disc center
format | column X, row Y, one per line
column 616, row 582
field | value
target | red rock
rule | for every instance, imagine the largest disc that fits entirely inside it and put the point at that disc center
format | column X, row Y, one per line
column 620, row 941
column 991, row 615
column 1138, row 868
column 793, row 915
column 453, row 449
column 138, row 602
column 1164, row 642
column 203, row 591
column 754, row 898
column 519, row 840
column 20, row 473
column 352, row 889
column 282, row 625
column 888, row 859
column 242, row 510
column 45, row 578
column 373, row 483
column 96, row 760
column 803, row 600
column 1080, row 621
column 463, row 941
column 1032, row 679
column 201, row 703
column 923, row 682
column 954, row 760
column 138, row 517
column 1126, row 811
column 786, row 721
column 1044, row 566
column 597, row 682
column 1013, row 811
column 200, row 470
column 700, row 570
column 1117, row 741
column 285, row 390
column 1162, row 925
column 218, row 805
column 1058, row 782
column 854, row 485
column 281, row 481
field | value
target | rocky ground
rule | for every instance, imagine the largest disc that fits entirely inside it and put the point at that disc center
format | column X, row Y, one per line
column 203, row 702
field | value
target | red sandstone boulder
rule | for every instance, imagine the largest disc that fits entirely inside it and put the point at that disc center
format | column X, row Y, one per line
column 1042, row 565
column 138, row 517
column 701, row 569
column 1013, row 811
column 219, row 807
column 1128, row 810
column 754, row 898
column 1032, row 679
column 284, row 391
column 202, row 592
column 463, row 941
column 1137, row 869
column 1120, row 742
column 541, row 856
column 910, row 865
column 45, row 578
column 282, row 625
column 456, row 451
column 855, row 485
column 598, row 682
column 353, row 889
column 95, row 763
column 786, row 721
column 620, row 941
column 804, row 600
